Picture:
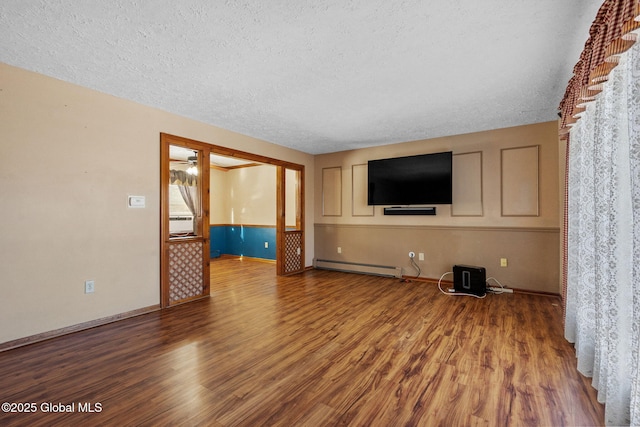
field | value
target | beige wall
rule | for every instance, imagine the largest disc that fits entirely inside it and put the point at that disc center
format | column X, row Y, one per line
column 218, row 199
column 69, row 157
column 248, row 196
column 244, row 196
column 530, row 243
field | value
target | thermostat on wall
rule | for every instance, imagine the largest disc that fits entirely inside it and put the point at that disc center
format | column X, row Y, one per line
column 136, row 202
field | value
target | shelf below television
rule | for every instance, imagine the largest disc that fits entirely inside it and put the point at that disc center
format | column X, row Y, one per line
column 397, row 210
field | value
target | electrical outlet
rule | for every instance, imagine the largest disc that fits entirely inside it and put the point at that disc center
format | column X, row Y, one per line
column 339, row 250
column 266, row 245
column 412, row 254
column 420, row 256
column 503, row 262
column 89, row 286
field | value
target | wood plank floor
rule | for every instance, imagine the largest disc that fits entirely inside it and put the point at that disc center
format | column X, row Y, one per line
column 319, row 349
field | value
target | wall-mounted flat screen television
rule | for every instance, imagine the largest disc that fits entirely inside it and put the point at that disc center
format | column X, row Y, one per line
column 424, row 179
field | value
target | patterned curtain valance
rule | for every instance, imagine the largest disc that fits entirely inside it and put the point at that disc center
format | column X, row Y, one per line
column 177, row 177
column 611, row 34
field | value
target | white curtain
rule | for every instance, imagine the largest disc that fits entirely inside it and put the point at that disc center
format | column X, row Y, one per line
column 603, row 242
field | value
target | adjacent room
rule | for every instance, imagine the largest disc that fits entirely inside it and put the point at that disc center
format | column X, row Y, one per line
column 320, row 213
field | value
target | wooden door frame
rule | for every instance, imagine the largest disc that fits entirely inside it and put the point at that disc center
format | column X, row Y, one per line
column 281, row 226
column 202, row 233
column 281, row 167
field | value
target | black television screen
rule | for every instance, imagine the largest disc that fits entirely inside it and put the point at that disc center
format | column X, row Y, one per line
column 413, row 180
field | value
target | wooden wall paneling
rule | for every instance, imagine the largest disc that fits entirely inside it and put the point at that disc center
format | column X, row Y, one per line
column 520, row 177
column 359, row 205
column 467, row 184
column 527, row 249
column 332, row 191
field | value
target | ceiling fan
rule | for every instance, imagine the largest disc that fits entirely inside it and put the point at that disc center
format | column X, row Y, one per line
column 192, row 161
column 193, row 164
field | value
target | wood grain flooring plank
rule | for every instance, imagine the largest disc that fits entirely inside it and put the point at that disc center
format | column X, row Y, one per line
column 318, row 349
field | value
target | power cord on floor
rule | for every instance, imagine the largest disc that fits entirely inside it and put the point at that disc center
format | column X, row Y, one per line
column 502, row 288
column 417, row 267
column 452, row 294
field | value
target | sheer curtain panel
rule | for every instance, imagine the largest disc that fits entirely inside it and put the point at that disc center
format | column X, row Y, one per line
column 602, row 301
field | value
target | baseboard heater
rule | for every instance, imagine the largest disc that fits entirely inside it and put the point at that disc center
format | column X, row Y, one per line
column 354, row 267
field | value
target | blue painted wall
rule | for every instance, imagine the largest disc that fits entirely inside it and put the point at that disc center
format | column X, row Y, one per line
column 218, row 241
column 243, row 241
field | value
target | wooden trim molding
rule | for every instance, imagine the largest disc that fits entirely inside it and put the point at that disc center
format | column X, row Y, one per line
column 169, row 289
column 444, row 227
column 21, row 342
column 229, row 168
column 467, row 185
column 281, row 226
column 332, row 191
column 243, row 225
column 449, row 283
column 520, row 181
column 359, row 206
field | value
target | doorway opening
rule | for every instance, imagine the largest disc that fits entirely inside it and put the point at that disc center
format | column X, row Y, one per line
column 217, row 200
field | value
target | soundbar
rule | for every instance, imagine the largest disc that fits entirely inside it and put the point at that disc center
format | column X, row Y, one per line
column 397, row 210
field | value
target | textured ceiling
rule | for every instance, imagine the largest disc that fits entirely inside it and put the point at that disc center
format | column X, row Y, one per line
column 314, row 75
